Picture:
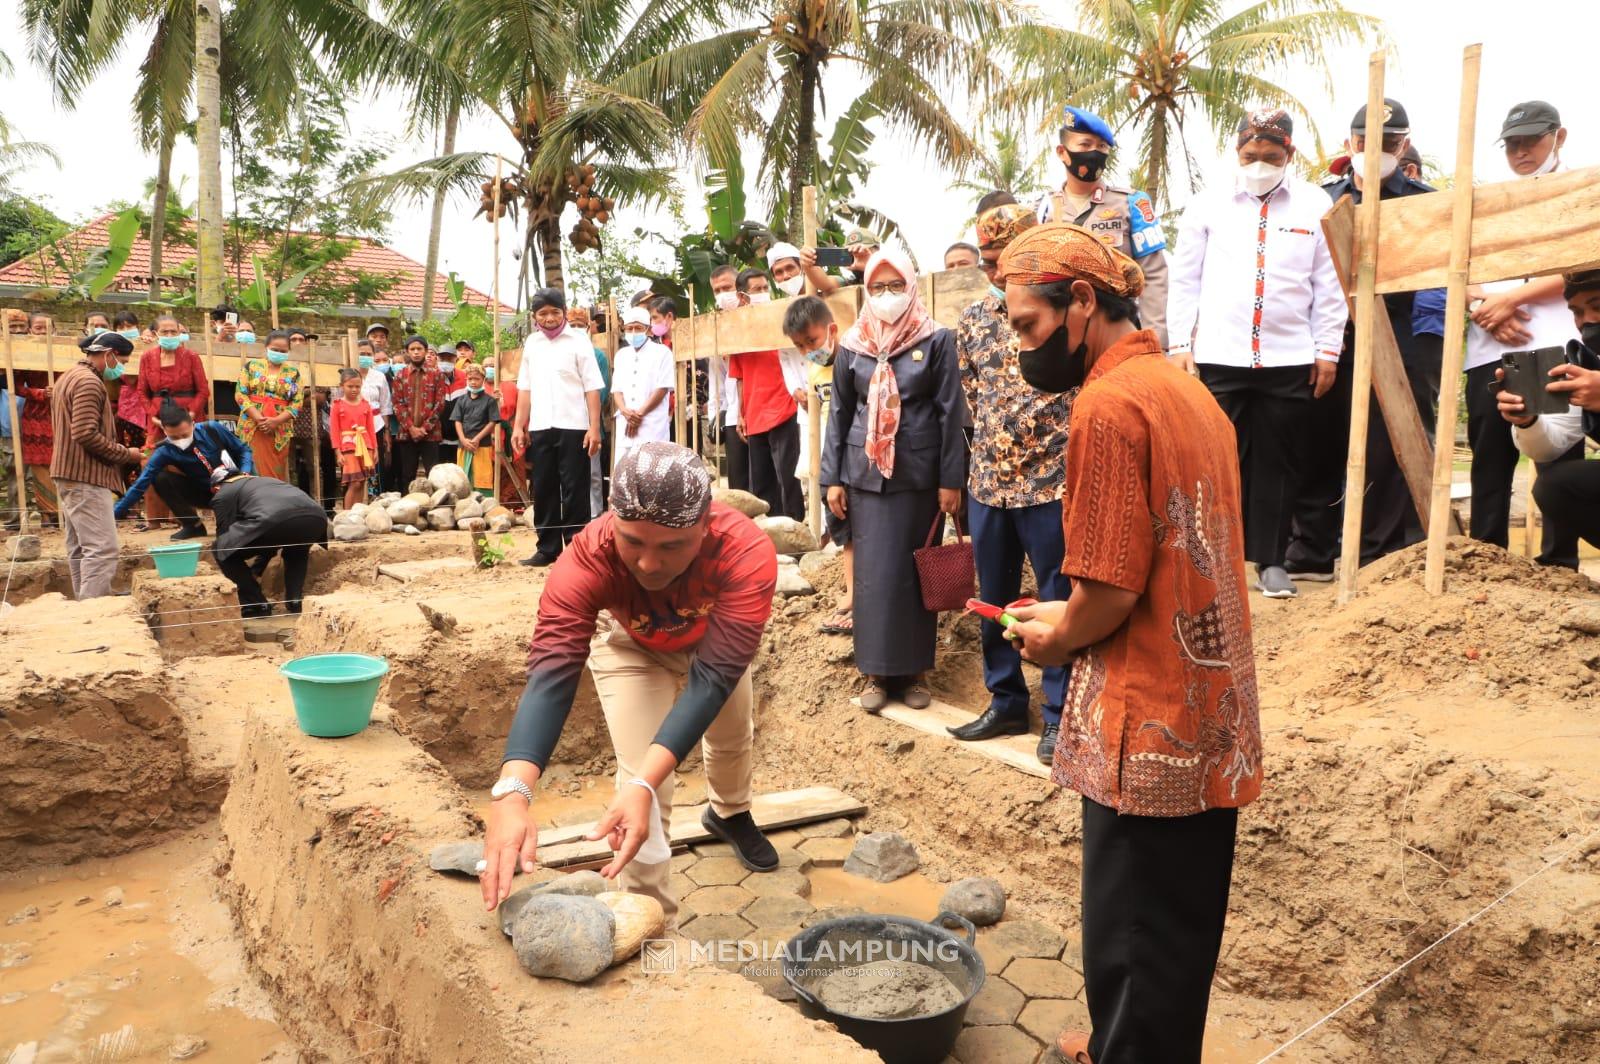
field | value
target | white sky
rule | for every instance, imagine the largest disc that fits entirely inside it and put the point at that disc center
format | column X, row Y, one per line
column 1527, row 56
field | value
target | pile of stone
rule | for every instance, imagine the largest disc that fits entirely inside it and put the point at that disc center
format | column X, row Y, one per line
column 442, row 501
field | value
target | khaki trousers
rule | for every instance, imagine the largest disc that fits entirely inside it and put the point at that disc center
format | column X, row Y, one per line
column 637, row 688
column 86, row 511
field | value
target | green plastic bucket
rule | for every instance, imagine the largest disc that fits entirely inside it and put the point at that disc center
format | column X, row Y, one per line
column 333, row 693
column 176, row 559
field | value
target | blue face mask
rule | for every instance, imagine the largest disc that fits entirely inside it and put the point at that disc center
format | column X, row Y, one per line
column 131, row 334
column 277, row 358
column 998, row 293
column 820, row 357
column 170, row 343
column 636, row 340
column 364, row 361
column 488, row 373
column 97, row 330
column 474, row 391
column 183, row 338
column 245, row 337
column 113, row 371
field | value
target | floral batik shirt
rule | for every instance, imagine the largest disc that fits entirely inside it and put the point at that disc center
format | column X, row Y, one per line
column 1161, row 717
column 1019, row 433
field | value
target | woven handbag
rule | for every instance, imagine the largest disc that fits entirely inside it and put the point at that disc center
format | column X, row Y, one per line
column 946, row 572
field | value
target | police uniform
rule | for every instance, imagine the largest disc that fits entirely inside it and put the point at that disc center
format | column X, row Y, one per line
column 1123, row 218
column 1389, row 519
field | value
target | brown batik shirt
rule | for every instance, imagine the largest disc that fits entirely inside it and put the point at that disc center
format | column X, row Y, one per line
column 1019, row 433
column 1160, row 718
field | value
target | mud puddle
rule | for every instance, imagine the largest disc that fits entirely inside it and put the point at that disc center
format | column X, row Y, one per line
column 914, row 895
column 129, row 959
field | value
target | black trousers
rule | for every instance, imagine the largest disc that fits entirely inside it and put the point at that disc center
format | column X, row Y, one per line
column 412, row 455
column 1494, row 466
column 774, row 455
column 292, row 539
column 388, row 463
column 329, row 492
column 1569, row 495
column 558, row 479
column 1155, row 897
column 738, row 454
column 183, row 495
column 1268, row 408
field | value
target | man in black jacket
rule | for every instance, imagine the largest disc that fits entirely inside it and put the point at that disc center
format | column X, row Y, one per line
column 258, row 517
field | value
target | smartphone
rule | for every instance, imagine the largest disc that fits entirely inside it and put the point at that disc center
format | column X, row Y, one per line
column 834, row 258
column 232, row 317
column 1527, row 373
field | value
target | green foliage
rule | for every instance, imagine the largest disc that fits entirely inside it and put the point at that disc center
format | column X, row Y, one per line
column 92, row 269
column 1005, row 164
column 491, row 552
column 25, row 227
column 468, row 321
column 839, row 177
column 597, row 274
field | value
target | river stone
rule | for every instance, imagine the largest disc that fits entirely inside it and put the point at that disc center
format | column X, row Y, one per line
column 499, row 519
column 883, row 856
column 462, row 857
column 635, row 917
column 359, row 509
column 472, row 524
column 447, row 476
column 442, row 497
column 441, row 519
column 378, row 521
column 746, row 503
column 585, row 884
column 468, row 507
column 420, row 486
column 558, row 936
column 979, row 898
column 788, row 535
column 404, row 512
column 386, row 498
column 349, row 528
column 22, row 549
column 790, row 582
column 421, row 498
column 412, row 530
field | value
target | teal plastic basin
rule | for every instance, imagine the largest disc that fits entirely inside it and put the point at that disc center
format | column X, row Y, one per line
column 334, row 693
column 176, row 559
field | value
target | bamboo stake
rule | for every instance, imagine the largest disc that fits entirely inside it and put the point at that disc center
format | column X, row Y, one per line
column 211, row 371
column 16, row 435
column 1455, row 325
column 808, row 202
column 50, row 357
column 350, row 348
column 694, row 393
column 1366, row 309
column 614, row 344
column 494, row 309
column 273, row 289
column 316, row 426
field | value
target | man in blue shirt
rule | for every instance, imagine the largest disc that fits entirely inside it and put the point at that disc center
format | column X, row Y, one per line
column 180, row 468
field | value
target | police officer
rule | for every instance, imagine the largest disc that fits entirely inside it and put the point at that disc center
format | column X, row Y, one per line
column 1123, row 218
column 1389, row 519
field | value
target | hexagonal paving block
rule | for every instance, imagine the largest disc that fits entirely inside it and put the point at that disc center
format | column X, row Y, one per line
column 1028, row 938
column 995, row 954
column 1040, row 977
column 713, row 849
column 997, row 1004
column 768, row 975
column 681, row 886
column 780, row 910
column 832, row 912
column 993, row 1045
column 714, row 900
column 1046, row 1018
column 837, row 828
column 828, row 851
column 795, row 861
column 781, row 881
column 725, row 936
column 788, row 837
column 718, row 872
column 681, row 861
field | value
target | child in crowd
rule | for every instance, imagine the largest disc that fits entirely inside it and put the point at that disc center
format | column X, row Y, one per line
column 477, row 412
column 350, row 428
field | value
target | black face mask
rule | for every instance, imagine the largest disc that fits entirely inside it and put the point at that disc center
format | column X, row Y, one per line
column 1086, row 165
column 1052, row 367
column 1591, row 336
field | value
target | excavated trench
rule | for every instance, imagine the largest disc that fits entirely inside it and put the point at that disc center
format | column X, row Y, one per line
column 146, row 745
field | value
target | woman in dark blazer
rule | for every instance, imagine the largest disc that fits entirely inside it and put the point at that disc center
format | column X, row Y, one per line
column 894, row 459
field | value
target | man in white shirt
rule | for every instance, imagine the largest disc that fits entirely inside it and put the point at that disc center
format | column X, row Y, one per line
column 640, row 383
column 1256, row 307
column 375, row 390
column 1515, row 315
column 557, row 422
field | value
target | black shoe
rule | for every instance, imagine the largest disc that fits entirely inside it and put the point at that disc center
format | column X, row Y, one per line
column 540, row 559
column 251, row 613
column 993, row 722
column 194, row 531
column 740, row 831
column 1047, row 743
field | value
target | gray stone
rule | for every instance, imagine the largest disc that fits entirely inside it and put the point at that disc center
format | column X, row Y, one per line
column 387, row 497
column 459, row 857
column 349, row 529
column 448, row 476
column 814, row 563
column 442, row 497
column 421, row 497
column 186, row 1046
column 22, row 549
column 22, row 916
column 413, row 530
column 441, row 519
column 404, row 512
column 472, row 524
column 560, row 936
column 746, row 503
column 499, row 519
column 467, row 508
column 584, row 884
column 358, row 510
column 883, row 856
column 419, row 486
column 788, row 535
column 979, row 898
column 378, row 521
column 791, row 583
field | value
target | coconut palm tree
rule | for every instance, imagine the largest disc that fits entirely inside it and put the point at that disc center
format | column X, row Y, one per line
column 737, row 69
column 1006, row 164
column 1159, row 67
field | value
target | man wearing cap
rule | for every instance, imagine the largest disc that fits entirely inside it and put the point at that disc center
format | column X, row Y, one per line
column 1256, row 308
column 788, row 274
column 378, row 333
column 557, row 422
column 1014, row 483
column 665, row 597
column 1160, row 731
column 1122, row 218
column 640, row 383
column 258, row 517
column 1519, row 314
column 1389, row 519
column 87, row 462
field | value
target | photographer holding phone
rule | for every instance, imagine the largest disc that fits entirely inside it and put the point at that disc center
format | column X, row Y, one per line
column 1567, row 491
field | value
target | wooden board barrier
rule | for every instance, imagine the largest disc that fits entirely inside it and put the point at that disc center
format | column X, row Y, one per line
column 32, row 352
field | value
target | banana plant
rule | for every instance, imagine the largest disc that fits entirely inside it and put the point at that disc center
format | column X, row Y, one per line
column 98, row 268
column 256, row 297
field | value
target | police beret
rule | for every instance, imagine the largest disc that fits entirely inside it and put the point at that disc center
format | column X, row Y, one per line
column 1080, row 121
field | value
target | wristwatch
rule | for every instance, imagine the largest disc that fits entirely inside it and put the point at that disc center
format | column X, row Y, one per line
column 511, row 785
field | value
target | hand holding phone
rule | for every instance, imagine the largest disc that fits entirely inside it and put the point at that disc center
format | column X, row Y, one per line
column 834, row 258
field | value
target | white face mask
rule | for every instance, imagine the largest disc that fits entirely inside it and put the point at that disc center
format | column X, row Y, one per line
column 1548, row 166
column 1259, row 178
column 1387, row 164
column 793, row 286
column 181, row 444
column 758, row 298
column 889, row 306
column 727, row 300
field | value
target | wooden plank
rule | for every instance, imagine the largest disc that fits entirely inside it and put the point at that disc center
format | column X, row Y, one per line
column 1017, row 751
column 1412, row 448
column 34, row 353
column 1525, row 227
column 563, row 846
column 406, row 572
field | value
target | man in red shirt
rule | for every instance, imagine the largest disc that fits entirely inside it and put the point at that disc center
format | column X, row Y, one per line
column 769, row 384
column 681, row 588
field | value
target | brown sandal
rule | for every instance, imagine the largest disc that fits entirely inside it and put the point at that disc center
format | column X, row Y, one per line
column 1074, row 1047
column 840, row 622
column 875, row 695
